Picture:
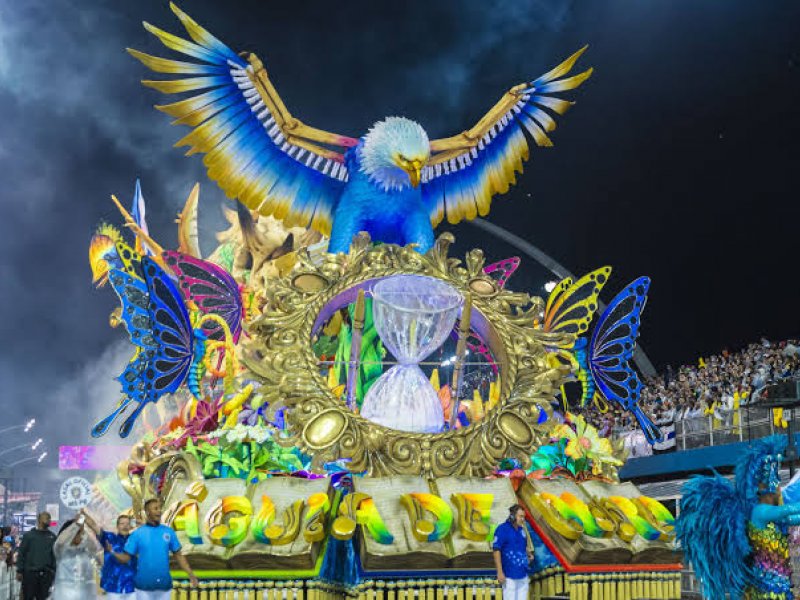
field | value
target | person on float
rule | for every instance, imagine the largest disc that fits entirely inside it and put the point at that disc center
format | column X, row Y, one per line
column 116, row 579
column 151, row 545
column 78, row 557
column 512, row 554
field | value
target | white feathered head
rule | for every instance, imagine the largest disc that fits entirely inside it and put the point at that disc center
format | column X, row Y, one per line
column 394, row 152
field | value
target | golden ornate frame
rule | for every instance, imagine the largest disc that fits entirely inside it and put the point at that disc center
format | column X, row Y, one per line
column 180, row 467
column 280, row 353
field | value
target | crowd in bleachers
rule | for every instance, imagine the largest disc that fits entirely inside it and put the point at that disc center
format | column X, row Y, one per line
column 710, row 392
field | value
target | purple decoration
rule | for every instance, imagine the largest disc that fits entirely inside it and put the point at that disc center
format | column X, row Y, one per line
column 212, row 288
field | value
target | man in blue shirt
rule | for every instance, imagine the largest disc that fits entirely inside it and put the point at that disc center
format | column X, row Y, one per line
column 512, row 555
column 152, row 544
column 116, row 579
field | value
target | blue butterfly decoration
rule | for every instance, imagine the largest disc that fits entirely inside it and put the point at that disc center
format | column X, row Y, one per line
column 607, row 357
column 158, row 324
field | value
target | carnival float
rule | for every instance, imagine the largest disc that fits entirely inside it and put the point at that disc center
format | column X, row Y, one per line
column 325, row 439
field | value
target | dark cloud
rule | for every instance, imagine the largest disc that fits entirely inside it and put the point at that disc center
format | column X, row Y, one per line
column 677, row 162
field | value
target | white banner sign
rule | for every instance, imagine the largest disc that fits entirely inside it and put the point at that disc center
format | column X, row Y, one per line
column 668, row 431
column 76, row 493
column 53, row 509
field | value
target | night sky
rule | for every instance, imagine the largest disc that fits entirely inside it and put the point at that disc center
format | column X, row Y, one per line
column 680, row 160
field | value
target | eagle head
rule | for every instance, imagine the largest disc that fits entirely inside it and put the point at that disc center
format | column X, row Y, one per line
column 394, row 152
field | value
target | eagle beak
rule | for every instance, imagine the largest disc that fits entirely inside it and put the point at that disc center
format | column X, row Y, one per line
column 414, row 170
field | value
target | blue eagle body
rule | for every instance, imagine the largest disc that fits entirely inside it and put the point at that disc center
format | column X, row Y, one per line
column 391, row 216
column 393, row 182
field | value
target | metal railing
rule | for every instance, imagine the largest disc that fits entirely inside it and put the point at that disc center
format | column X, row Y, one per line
column 9, row 587
column 690, row 586
column 727, row 427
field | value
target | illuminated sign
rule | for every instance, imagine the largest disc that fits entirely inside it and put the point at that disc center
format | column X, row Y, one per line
column 91, row 458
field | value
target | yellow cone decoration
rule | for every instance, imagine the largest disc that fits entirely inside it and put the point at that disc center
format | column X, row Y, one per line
column 435, row 379
column 477, row 407
column 332, row 380
column 494, row 394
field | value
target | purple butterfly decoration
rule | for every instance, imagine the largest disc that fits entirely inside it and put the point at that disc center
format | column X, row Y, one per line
column 211, row 288
column 500, row 272
column 476, row 345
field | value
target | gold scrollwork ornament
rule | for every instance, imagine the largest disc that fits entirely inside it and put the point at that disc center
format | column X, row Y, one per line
column 280, row 353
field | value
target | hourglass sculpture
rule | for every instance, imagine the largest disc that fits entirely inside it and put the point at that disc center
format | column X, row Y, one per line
column 413, row 315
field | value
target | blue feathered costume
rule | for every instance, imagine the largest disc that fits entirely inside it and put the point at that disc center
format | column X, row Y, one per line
column 734, row 535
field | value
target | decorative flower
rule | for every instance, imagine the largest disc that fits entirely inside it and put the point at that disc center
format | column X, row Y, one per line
column 583, row 442
column 509, row 464
column 249, row 417
column 260, row 433
column 242, row 433
column 233, row 405
column 549, row 458
column 204, row 421
column 254, row 415
column 236, row 434
column 206, row 417
column 176, row 423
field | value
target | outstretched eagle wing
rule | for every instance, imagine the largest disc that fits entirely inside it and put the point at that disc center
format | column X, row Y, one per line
column 466, row 170
column 255, row 149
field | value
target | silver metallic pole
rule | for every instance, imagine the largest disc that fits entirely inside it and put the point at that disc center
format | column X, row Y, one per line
column 355, row 350
column 461, row 351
